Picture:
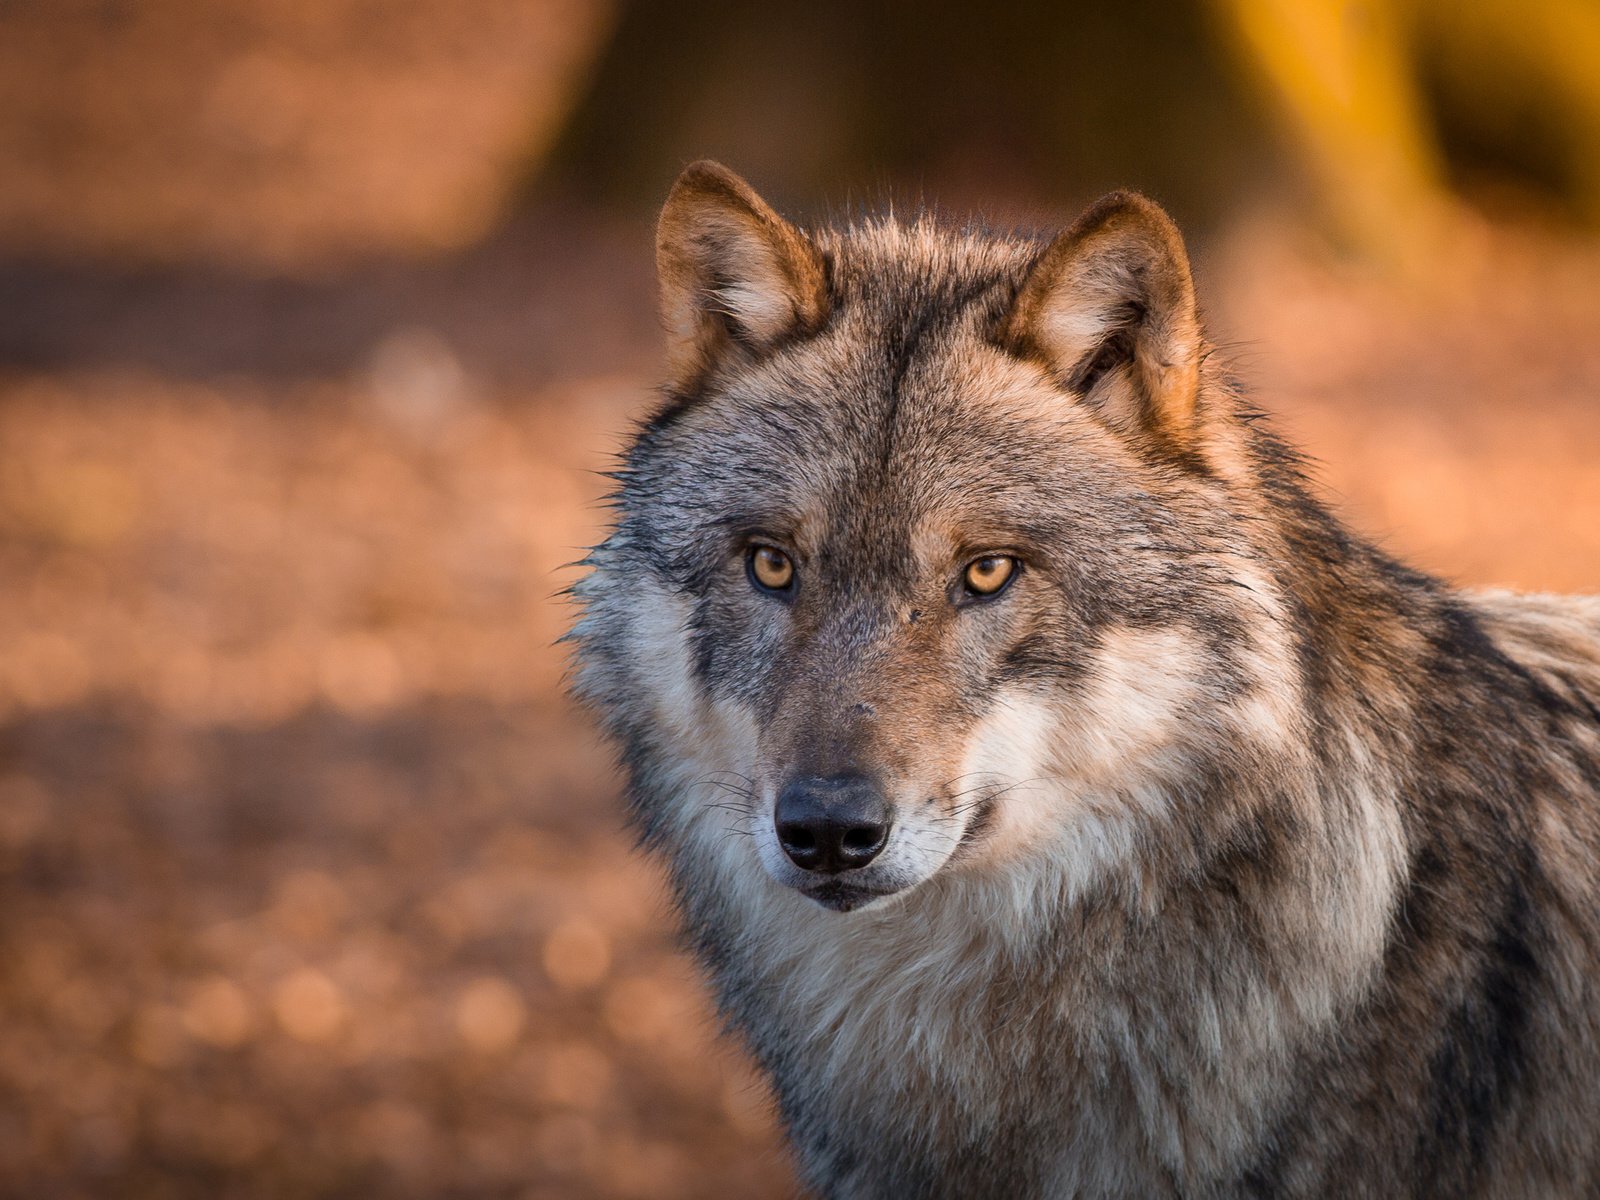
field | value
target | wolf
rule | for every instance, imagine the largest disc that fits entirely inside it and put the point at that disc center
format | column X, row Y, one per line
column 1061, row 801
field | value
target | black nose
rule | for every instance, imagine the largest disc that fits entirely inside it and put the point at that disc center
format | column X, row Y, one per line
column 831, row 825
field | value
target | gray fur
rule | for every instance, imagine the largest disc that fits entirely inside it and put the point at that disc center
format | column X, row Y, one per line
column 1298, row 896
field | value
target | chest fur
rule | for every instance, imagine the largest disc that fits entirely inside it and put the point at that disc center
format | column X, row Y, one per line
column 996, row 1039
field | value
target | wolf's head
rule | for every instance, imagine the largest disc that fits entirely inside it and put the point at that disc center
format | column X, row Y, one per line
column 935, row 554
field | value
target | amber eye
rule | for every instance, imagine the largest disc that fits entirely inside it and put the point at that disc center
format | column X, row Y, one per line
column 988, row 575
column 771, row 568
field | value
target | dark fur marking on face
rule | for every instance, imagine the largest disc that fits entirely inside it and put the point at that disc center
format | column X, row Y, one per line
column 1041, row 656
column 666, row 414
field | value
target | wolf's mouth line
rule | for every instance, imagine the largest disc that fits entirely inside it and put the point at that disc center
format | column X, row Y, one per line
column 843, row 897
column 831, row 887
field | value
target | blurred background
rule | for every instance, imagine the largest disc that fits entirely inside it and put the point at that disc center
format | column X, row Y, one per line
column 316, row 318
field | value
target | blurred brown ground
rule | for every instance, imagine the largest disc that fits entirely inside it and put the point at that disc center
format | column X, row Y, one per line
column 311, row 882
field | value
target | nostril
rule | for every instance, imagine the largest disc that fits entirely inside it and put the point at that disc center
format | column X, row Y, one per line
column 859, row 844
column 863, row 838
column 797, row 838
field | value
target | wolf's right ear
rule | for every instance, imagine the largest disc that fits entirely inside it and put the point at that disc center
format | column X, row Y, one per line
column 1109, row 309
column 733, row 273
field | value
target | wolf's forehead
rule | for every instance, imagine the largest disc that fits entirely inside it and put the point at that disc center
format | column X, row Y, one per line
column 906, row 355
column 850, row 459
column 899, row 412
column 915, row 263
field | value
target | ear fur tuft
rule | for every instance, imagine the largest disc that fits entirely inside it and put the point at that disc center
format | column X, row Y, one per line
column 1109, row 308
column 734, row 275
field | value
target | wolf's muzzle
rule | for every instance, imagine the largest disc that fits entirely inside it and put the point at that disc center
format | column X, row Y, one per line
column 833, row 824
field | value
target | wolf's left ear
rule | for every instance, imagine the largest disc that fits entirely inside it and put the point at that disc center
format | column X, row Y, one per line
column 1109, row 307
column 735, row 276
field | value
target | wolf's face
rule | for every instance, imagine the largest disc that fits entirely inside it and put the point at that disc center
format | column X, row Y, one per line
column 893, row 582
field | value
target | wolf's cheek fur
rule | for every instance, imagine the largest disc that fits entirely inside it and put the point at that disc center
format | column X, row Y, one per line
column 1085, row 770
column 711, row 740
column 707, row 730
column 1129, row 722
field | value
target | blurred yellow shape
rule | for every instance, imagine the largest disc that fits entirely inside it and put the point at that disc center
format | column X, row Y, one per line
column 1339, row 75
column 1343, row 77
column 1541, row 54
